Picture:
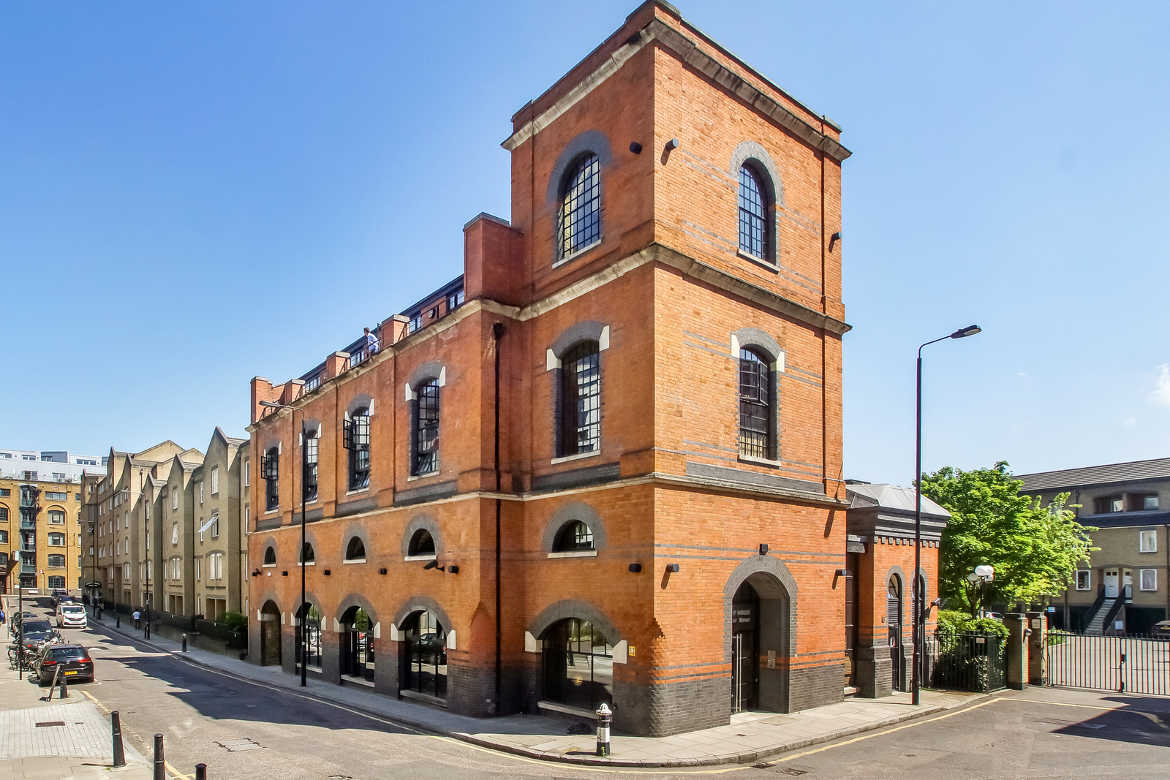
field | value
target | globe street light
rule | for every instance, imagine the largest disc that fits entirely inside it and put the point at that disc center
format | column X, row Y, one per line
column 970, row 330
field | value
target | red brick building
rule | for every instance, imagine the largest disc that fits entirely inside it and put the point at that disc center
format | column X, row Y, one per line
column 604, row 463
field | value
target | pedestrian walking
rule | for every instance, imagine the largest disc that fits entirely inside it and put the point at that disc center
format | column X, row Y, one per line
column 137, row 619
column 3, row 617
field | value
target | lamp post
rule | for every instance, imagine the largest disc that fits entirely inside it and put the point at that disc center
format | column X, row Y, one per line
column 916, row 681
column 304, row 500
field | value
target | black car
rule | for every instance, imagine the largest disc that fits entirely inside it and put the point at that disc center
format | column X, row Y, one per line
column 1161, row 630
column 58, row 594
column 71, row 662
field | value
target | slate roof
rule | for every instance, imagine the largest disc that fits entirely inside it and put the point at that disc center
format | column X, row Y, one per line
column 1158, row 468
column 891, row 497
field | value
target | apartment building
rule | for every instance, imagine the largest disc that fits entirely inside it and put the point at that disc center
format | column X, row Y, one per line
column 40, row 535
column 47, row 465
column 1123, row 587
column 603, row 464
column 215, row 536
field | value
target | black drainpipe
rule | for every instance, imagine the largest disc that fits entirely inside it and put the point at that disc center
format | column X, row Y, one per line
column 497, row 334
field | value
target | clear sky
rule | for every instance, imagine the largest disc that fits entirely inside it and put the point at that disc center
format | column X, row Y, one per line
column 190, row 196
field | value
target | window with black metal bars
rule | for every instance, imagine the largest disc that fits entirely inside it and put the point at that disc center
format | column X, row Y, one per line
column 581, row 399
column 579, row 219
column 753, row 214
column 270, row 471
column 755, row 405
column 425, row 458
column 356, row 439
column 311, row 445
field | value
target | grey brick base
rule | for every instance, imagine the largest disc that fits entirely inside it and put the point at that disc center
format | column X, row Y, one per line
column 875, row 670
column 816, row 686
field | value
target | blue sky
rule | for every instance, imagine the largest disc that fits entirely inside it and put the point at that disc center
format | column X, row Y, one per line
column 195, row 195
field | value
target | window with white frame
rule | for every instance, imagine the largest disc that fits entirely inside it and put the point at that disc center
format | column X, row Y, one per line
column 174, row 499
column 56, row 517
column 215, row 566
column 174, row 533
column 215, row 480
column 247, row 473
column 198, row 568
column 1084, row 579
column 1148, row 579
column 1148, row 540
column 200, row 492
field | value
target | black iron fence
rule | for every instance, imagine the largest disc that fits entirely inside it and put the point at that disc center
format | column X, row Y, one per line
column 967, row 662
column 1126, row 664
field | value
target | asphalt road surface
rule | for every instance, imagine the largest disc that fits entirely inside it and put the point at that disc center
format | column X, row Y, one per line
column 246, row 730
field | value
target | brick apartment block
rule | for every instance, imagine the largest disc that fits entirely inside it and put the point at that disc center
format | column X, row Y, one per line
column 604, row 463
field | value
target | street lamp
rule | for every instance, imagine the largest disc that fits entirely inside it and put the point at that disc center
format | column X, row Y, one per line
column 304, row 501
column 970, row 330
column 982, row 575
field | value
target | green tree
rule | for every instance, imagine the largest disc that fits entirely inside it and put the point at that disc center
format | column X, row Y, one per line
column 1034, row 548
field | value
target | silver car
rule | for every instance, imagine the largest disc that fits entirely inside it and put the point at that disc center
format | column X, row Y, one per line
column 71, row 615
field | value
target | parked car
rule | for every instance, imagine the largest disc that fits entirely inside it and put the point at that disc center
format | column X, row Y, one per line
column 1161, row 630
column 58, row 594
column 70, row 615
column 73, row 660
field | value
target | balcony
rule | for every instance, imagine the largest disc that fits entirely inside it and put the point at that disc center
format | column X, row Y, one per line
column 28, row 525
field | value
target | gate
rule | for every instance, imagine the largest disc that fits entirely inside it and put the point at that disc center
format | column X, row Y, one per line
column 1124, row 664
column 968, row 662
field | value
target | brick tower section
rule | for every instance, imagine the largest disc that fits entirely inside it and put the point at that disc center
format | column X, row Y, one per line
column 710, row 582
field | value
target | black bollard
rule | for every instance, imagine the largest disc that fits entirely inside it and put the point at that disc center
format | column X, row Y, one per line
column 160, row 764
column 64, row 691
column 201, row 772
column 184, row 643
column 117, row 619
column 119, row 751
column 147, row 629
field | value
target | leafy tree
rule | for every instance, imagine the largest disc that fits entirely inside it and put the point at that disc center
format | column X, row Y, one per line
column 1034, row 548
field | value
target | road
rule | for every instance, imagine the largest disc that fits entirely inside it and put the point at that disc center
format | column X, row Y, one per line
column 242, row 729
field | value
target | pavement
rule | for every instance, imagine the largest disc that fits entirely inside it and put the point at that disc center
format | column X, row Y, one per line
column 749, row 737
column 56, row 738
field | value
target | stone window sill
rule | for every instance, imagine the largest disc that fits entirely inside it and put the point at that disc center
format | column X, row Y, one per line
column 578, row 456
column 577, row 253
column 419, row 557
column 767, row 265
column 574, row 554
column 354, row 560
column 755, row 461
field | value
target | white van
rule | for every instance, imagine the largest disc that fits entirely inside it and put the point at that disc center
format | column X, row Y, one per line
column 70, row 615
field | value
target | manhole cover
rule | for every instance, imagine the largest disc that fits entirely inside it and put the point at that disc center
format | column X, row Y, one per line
column 790, row 770
column 238, row 745
column 51, row 723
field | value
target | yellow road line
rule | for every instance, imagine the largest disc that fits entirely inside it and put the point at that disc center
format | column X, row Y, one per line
column 1085, row 706
column 872, row 735
column 501, row 753
column 170, row 769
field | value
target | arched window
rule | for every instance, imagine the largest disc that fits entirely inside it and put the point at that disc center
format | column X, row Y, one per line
column 3, row 514
column 755, row 404
column 270, row 556
column 579, row 218
column 755, row 208
column 574, row 536
column 580, row 401
column 578, row 664
column 356, row 438
column 421, row 543
column 355, row 550
column 894, row 609
column 357, row 644
column 270, row 467
column 312, row 636
column 311, row 445
column 425, row 441
column 426, row 654
column 307, row 554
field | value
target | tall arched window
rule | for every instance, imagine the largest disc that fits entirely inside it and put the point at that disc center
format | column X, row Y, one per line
column 311, row 451
column 755, row 404
column 270, row 467
column 270, row 556
column 3, row 514
column 579, row 218
column 356, row 439
column 425, row 444
column 755, row 208
column 580, row 401
column 307, row 554
column 421, row 543
column 578, row 664
column 426, row 654
column 312, row 638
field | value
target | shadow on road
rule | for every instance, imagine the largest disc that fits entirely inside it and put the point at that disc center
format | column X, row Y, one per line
column 1143, row 720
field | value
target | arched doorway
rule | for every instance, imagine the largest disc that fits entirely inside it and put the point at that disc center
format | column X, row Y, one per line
column 760, row 643
column 269, row 634
column 357, row 645
column 894, row 622
column 745, row 653
column 311, row 637
column 577, row 664
column 425, row 659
